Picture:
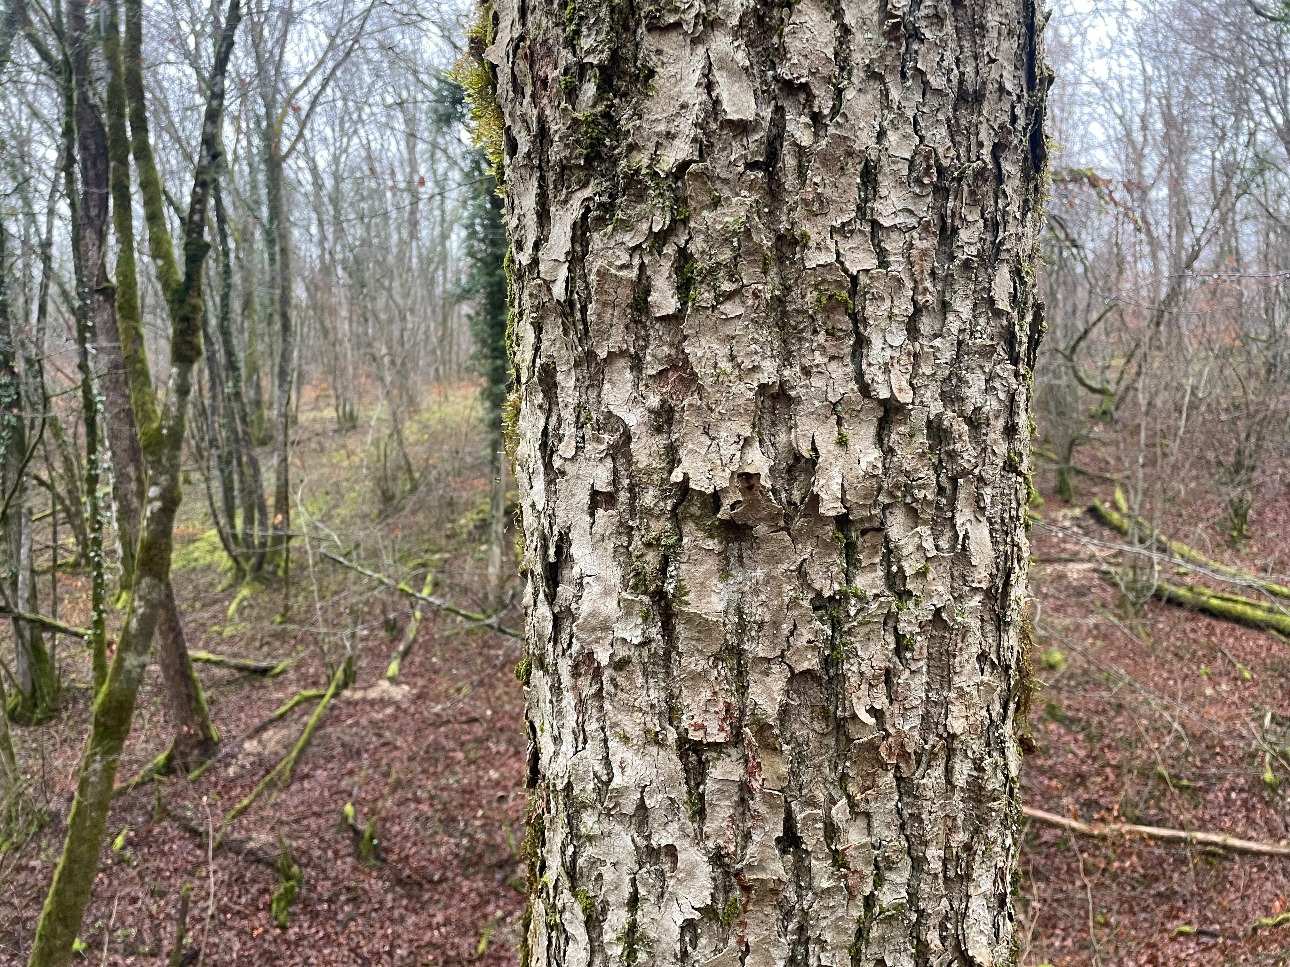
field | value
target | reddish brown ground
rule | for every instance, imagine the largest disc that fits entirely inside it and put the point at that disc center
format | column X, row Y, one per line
column 1152, row 722
column 438, row 759
column 1155, row 722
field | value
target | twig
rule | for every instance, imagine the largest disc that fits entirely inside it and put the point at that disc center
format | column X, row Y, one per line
column 1109, row 830
column 1155, row 701
column 181, row 926
column 1088, row 893
column 469, row 687
column 110, row 924
column 435, row 602
column 210, row 865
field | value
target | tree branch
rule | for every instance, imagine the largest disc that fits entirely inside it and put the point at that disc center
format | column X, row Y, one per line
column 1109, row 830
column 435, row 602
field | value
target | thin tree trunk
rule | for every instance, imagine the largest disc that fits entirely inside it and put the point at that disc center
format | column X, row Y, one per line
column 774, row 327
column 496, row 528
column 89, row 397
column 249, row 481
column 132, row 416
column 34, row 673
column 249, row 262
column 279, row 232
column 60, row 920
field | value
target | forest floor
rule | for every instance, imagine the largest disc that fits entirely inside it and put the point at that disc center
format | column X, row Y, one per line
column 1169, row 719
column 437, row 758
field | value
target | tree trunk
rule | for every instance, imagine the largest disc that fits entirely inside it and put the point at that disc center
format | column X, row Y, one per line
column 60, row 918
column 130, row 408
column 35, row 676
column 249, row 264
column 496, row 528
column 775, row 320
column 278, row 232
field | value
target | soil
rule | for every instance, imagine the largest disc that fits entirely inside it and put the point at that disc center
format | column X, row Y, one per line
column 1167, row 718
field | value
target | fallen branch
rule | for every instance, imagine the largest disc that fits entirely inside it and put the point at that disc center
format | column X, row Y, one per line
column 1121, row 522
column 157, row 767
column 49, row 624
column 410, row 636
column 1217, row 604
column 1109, row 830
column 282, row 771
column 1229, row 607
column 269, row 669
column 435, row 602
column 228, row 749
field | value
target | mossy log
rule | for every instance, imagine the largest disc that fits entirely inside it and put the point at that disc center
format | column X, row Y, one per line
column 1229, row 607
column 1121, row 522
column 1266, row 616
column 269, row 669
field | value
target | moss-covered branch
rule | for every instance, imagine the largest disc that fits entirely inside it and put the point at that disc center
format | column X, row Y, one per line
column 306, row 695
column 269, row 669
column 1229, row 607
column 488, row 621
column 49, row 624
column 281, row 773
column 1264, row 615
column 410, row 636
column 1122, row 522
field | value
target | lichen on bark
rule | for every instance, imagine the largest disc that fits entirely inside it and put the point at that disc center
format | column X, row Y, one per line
column 774, row 327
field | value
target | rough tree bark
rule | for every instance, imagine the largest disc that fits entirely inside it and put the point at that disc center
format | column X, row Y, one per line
column 774, row 327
